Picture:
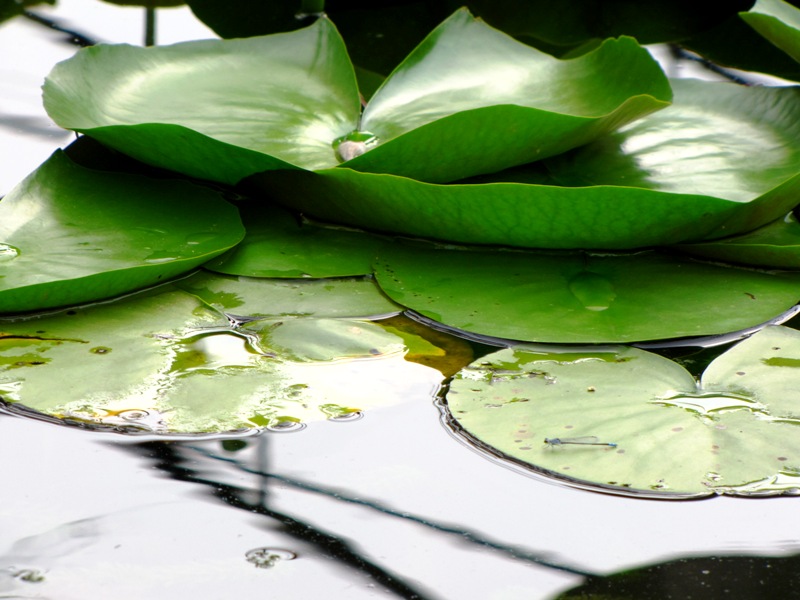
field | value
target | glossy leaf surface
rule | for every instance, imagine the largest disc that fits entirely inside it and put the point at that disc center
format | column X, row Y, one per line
column 776, row 245
column 580, row 297
column 278, row 245
column 164, row 362
column 655, row 430
column 722, row 159
column 289, row 100
column 70, row 234
column 779, row 22
column 284, row 98
column 321, row 298
column 479, row 101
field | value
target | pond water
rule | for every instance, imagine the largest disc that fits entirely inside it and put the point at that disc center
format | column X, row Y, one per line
column 392, row 505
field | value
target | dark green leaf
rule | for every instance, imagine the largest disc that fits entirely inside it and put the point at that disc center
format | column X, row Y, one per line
column 723, row 159
column 580, row 297
column 276, row 245
column 70, row 234
column 776, row 245
column 284, row 98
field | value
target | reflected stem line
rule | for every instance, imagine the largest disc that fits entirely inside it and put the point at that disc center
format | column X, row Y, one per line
column 330, row 545
column 463, row 534
column 73, row 37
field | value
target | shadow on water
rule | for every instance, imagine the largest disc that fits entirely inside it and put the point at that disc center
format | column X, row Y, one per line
column 185, row 461
column 215, row 463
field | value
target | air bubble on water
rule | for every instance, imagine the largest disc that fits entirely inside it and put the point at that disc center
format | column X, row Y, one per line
column 133, row 415
column 347, row 417
column 264, row 558
column 286, row 426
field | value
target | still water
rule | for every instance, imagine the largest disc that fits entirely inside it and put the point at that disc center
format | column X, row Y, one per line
column 391, row 505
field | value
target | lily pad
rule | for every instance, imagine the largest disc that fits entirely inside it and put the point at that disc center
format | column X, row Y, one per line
column 70, row 235
column 290, row 100
column 580, row 297
column 777, row 21
column 627, row 421
column 723, row 159
column 167, row 363
column 257, row 298
column 776, row 245
column 279, row 245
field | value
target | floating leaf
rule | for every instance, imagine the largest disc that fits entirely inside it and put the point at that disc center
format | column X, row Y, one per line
column 470, row 100
column 167, row 363
column 249, row 297
column 653, row 429
column 777, row 21
column 284, row 98
column 722, row 159
column 291, row 101
column 776, row 245
column 70, row 234
column 580, row 297
column 277, row 245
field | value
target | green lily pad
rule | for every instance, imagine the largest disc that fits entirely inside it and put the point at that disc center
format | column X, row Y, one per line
column 627, row 421
column 471, row 100
column 168, row 363
column 251, row 298
column 776, row 245
column 722, row 159
column 719, row 141
column 777, row 21
column 284, row 98
column 277, row 245
column 580, row 297
column 70, row 234
column 291, row 101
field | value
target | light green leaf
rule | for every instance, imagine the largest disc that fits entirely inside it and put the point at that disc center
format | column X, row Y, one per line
column 655, row 431
column 214, row 109
column 580, row 297
column 777, row 21
column 226, row 109
column 249, row 297
column 70, row 234
column 167, row 363
column 479, row 101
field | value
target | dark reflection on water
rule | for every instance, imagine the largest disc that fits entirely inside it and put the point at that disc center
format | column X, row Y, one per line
column 170, row 457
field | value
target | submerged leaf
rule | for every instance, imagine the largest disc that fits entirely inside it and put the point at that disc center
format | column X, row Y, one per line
column 657, row 431
column 70, row 235
column 257, row 298
column 165, row 362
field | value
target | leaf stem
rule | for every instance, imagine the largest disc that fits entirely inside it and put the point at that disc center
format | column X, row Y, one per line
column 149, row 26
